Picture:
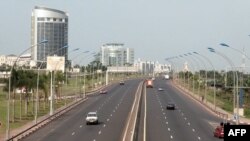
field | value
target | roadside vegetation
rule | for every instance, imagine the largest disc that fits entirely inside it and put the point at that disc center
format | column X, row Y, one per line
column 224, row 89
column 66, row 88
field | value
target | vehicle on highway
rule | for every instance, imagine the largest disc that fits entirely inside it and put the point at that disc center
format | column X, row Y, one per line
column 103, row 91
column 170, row 106
column 92, row 118
column 160, row 89
column 219, row 131
column 149, row 83
column 166, row 77
column 122, row 82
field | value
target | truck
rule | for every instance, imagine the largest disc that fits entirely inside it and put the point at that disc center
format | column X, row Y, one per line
column 149, row 83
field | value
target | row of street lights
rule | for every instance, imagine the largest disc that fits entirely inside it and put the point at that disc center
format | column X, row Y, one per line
column 37, row 85
column 235, row 75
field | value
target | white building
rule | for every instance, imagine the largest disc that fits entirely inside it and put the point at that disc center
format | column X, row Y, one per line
column 8, row 59
column 152, row 67
column 114, row 54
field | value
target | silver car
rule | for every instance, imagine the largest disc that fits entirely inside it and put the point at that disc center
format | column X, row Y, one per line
column 92, row 118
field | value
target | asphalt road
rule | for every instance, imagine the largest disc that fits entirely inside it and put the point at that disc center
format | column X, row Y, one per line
column 112, row 109
column 189, row 122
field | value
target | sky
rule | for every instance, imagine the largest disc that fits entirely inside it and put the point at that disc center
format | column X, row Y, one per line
column 156, row 29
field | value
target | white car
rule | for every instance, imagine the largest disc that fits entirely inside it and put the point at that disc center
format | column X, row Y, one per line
column 92, row 118
column 160, row 89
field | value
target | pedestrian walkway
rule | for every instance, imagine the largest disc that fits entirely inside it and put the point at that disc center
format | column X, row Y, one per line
column 229, row 117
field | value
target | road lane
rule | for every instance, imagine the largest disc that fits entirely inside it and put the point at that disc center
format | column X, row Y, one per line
column 112, row 109
column 189, row 122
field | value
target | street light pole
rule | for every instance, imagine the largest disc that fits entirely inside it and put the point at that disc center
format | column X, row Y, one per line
column 232, row 66
column 8, row 103
column 37, row 83
column 200, row 75
column 214, row 76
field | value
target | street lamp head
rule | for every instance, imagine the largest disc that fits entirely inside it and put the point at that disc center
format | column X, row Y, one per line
column 43, row 42
column 209, row 48
column 66, row 46
column 76, row 49
column 212, row 51
column 85, row 51
column 224, row 45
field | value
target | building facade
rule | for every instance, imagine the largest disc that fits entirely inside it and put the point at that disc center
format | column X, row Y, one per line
column 114, row 54
column 51, row 25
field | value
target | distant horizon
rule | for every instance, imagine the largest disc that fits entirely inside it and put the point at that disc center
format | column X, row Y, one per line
column 154, row 29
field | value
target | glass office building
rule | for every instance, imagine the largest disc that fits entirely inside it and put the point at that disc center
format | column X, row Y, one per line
column 52, row 25
column 114, row 54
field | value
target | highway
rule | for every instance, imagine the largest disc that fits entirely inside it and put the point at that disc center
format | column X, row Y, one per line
column 189, row 122
column 112, row 109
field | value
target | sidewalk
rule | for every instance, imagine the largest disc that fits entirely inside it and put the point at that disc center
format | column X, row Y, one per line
column 216, row 110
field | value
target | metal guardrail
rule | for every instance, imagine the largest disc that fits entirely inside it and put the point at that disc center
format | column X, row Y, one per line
column 129, row 131
column 220, row 114
column 43, row 122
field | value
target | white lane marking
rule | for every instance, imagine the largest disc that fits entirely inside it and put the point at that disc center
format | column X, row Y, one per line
column 73, row 134
column 113, row 110
column 185, row 118
column 168, row 129
column 145, row 114
column 171, row 137
column 166, row 122
column 165, row 117
column 111, row 115
column 99, row 132
column 107, row 119
column 161, row 109
column 104, row 125
column 164, row 113
column 199, row 138
column 80, row 126
column 193, row 130
column 94, row 140
column 188, row 123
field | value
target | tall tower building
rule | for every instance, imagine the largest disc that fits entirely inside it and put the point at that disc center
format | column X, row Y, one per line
column 52, row 25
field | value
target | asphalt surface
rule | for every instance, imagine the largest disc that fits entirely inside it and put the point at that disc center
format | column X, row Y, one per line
column 112, row 108
column 189, row 122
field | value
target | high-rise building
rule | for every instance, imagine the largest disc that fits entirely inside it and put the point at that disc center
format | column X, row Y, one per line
column 114, row 54
column 52, row 25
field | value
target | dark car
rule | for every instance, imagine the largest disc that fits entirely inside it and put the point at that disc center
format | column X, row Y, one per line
column 170, row 106
column 219, row 132
column 122, row 82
